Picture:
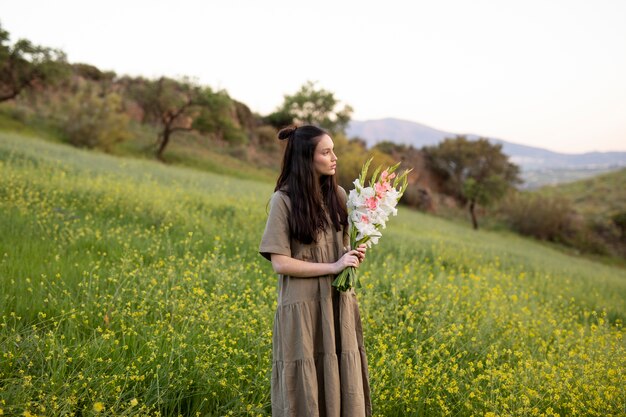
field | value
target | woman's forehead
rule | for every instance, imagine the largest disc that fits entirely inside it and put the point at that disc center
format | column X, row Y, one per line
column 325, row 142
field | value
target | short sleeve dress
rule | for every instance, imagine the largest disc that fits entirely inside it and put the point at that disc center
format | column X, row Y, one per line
column 319, row 366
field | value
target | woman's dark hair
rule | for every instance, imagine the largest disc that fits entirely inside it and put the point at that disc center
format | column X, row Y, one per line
column 311, row 197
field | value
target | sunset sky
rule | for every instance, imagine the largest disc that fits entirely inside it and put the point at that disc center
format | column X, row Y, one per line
column 545, row 73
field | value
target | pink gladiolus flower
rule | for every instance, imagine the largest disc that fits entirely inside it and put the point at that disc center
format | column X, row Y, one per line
column 382, row 188
column 364, row 219
column 385, row 177
column 371, row 203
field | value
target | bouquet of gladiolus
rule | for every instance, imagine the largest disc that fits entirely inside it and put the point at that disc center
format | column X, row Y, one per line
column 369, row 209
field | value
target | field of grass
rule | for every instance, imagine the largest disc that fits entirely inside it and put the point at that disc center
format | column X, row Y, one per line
column 132, row 288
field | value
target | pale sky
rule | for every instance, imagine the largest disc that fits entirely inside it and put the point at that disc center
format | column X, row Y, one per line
column 547, row 73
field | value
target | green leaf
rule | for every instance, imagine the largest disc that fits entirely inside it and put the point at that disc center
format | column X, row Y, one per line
column 374, row 176
column 364, row 170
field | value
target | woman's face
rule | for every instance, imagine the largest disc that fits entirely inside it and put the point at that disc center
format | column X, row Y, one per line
column 324, row 159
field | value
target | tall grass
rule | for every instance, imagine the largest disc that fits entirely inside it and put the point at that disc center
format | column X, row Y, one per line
column 127, row 288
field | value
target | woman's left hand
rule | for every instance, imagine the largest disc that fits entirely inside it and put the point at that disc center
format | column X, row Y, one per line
column 361, row 249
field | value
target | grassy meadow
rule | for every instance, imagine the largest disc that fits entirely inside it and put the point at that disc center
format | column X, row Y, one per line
column 128, row 287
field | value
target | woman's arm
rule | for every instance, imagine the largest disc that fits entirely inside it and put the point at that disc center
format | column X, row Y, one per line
column 286, row 265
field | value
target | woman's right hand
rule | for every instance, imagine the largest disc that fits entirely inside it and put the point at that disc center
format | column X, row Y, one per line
column 350, row 258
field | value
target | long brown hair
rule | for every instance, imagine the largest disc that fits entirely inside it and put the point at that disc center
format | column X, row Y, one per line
column 309, row 195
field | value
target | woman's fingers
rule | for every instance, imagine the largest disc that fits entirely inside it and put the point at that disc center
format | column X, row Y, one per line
column 361, row 251
column 358, row 255
column 351, row 258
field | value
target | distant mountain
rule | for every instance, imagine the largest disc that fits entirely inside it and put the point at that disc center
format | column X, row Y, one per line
column 395, row 130
column 529, row 158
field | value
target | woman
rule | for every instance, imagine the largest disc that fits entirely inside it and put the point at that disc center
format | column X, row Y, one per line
column 319, row 365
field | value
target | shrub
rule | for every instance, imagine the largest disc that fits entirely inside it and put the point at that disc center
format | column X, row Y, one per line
column 546, row 218
column 267, row 136
column 233, row 134
column 619, row 219
column 418, row 197
column 587, row 239
column 92, row 120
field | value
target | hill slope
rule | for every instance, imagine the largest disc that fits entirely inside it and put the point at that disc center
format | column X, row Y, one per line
column 136, row 288
column 600, row 196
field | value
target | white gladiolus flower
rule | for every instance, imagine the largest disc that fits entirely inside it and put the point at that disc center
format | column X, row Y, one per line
column 369, row 209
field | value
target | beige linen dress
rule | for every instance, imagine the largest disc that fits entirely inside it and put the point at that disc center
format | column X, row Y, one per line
column 319, row 365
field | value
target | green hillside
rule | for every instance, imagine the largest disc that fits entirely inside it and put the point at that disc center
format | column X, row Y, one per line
column 128, row 287
column 599, row 196
column 188, row 150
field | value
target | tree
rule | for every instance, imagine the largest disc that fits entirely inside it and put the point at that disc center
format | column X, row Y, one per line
column 312, row 105
column 170, row 103
column 24, row 65
column 221, row 115
column 183, row 105
column 474, row 172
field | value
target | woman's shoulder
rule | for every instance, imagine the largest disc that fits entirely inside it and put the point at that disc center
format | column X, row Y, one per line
column 281, row 193
column 280, row 197
column 342, row 193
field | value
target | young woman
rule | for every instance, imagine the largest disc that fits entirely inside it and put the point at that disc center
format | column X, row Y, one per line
column 319, row 365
